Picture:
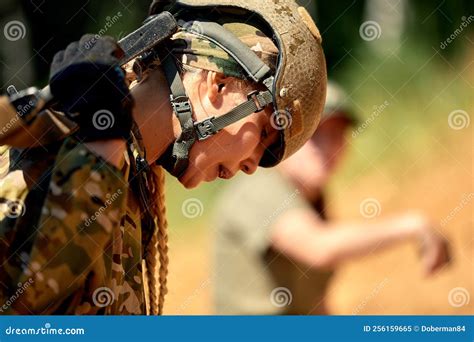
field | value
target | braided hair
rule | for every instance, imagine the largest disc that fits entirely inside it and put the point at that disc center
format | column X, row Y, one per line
column 157, row 249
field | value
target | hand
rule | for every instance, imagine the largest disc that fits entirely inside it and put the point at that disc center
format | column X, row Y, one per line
column 91, row 89
column 434, row 250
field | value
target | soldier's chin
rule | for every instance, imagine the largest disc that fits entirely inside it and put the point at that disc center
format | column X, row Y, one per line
column 189, row 181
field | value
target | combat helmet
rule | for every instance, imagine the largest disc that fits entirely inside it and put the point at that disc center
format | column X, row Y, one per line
column 296, row 89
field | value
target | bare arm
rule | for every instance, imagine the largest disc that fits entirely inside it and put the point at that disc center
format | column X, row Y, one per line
column 303, row 236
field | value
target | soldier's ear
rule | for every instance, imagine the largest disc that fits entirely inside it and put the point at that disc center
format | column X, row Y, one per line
column 216, row 85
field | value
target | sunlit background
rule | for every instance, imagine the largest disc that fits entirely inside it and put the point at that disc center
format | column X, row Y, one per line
column 408, row 69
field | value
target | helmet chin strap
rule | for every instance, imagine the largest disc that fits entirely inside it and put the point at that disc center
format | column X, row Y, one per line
column 176, row 159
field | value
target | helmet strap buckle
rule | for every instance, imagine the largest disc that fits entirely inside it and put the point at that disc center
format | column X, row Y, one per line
column 205, row 128
column 180, row 104
column 253, row 95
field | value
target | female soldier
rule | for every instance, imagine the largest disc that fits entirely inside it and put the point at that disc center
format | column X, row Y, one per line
column 83, row 217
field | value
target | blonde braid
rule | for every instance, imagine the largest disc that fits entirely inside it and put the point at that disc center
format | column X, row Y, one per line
column 158, row 243
column 151, row 262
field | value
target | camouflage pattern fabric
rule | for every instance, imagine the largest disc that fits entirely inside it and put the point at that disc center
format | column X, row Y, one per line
column 198, row 52
column 70, row 233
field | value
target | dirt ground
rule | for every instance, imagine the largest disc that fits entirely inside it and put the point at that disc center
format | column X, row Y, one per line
column 389, row 282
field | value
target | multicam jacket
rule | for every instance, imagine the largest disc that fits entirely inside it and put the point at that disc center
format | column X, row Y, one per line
column 70, row 233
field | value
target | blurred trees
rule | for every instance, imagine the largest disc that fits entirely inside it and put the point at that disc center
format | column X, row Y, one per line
column 53, row 24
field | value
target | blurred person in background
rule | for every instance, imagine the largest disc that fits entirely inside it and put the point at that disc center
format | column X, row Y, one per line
column 275, row 249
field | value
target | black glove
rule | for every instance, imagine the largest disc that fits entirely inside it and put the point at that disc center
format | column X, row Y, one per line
column 91, row 89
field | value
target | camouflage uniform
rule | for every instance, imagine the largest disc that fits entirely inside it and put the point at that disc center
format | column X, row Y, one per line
column 70, row 233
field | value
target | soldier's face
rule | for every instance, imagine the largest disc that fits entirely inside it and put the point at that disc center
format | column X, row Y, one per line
column 238, row 147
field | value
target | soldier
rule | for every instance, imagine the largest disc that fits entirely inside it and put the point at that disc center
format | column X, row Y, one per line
column 83, row 214
column 279, row 254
